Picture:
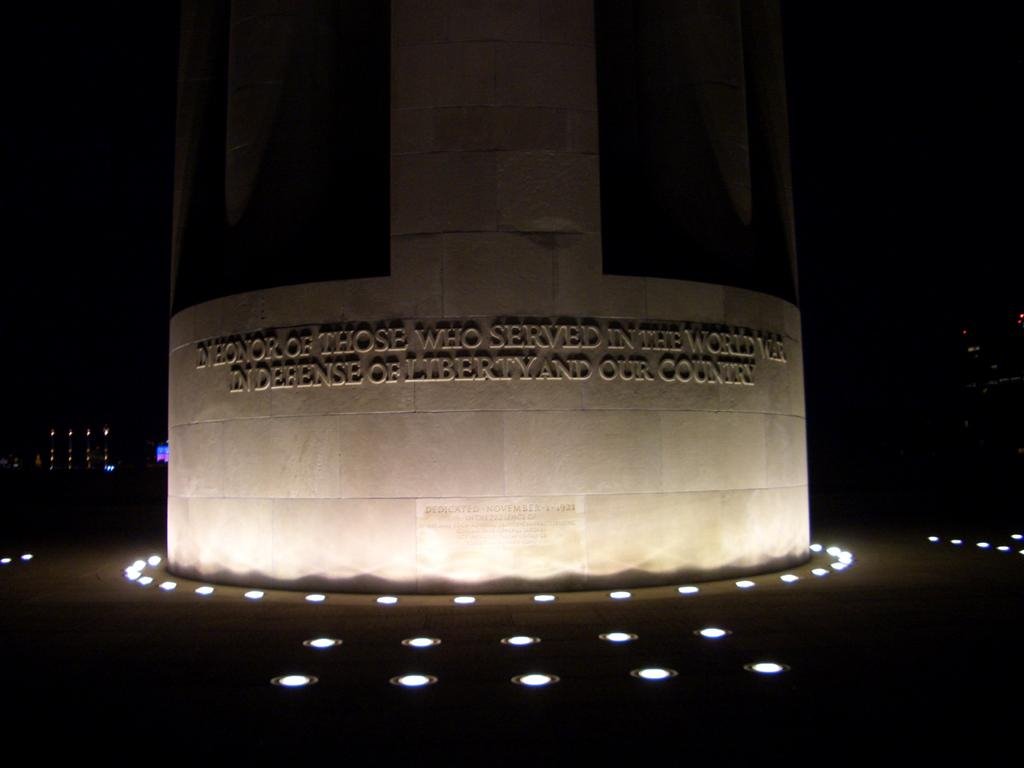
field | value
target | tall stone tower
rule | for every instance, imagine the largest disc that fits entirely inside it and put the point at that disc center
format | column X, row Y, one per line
column 489, row 294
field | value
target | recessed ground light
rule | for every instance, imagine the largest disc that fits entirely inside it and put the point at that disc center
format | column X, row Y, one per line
column 253, row 594
column 618, row 637
column 316, row 597
column 745, row 584
column 654, row 673
column 27, row 556
column 520, row 640
column 789, row 578
column 204, row 590
column 167, row 586
column 1016, row 536
column 766, row 667
column 464, row 600
column 413, row 681
column 620, row 594
column 534, row 680
column 933, row 538
column 4, row 560
column 839, row 565
column 387, row 600
column 131, row 574
column 322, row 642
column 688, row 590
column 834, row 551
column 845, row 557
column 712, row 633
column 138, row 565
column 544, row 598
column 421, row 642
column 821, row 571
column 815, row 547
column 956, row 541
column 145, row 580
column 984, row 544
column 1003, row 548
column 153, row 560
column 294, row 681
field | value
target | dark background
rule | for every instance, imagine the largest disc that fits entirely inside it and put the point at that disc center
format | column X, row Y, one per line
column 907, row 162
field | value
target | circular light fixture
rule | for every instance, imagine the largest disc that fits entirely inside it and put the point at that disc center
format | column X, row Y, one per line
column 653, row 673
column 167, row 586
column 956, row 541
column 535, row 680
column 620, row 594
column 618, row 637
column 204, row 590
column 421, row 642
column 766, row 667
column 712, row 633
column 815, row 547
column 745, row 584
column 820, row 571
column 984, row 544
column 316, row 597
column 688, row 590
column 4, row 560
column 838, row 565
column 1016, row 536
column 520, row 640
column 131, row 574
column 933, row 538
column 413, row 681
column 464, row 600
column 834, row 551
column 322, row 642
column 294, row 681
column 387, row 600
column 544, row 598
column 138, row 565
column 789, row 578
column 145, row 580
column 845, row 557
column 1003, row 548
column 154, row 560
column 253, row 594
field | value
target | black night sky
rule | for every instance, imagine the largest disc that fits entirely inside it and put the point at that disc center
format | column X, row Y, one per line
column 905, row 126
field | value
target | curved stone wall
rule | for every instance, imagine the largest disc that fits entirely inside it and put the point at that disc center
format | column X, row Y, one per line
column 388, row 433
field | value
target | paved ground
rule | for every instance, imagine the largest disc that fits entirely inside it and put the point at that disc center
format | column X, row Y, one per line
column 916, row 649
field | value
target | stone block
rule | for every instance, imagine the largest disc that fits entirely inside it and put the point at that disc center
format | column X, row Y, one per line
column 443, row 75
column 765, row 529
column 478, row 280
column 531, row 129
column 787, row 457
column 545, row 75
column 421, row 454
column 227, row 540
column 582, row 452
column 494, row 20
column 418, row 21
column 582, row 288
column 204, row 394
column 567, row 21
column 548, row 192
column 712, row 451
column 198, row 464
column 443, row 192
column 412, row 130
column 498, row 396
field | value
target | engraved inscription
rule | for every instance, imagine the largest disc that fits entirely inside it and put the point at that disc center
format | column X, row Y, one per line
column 391, row 352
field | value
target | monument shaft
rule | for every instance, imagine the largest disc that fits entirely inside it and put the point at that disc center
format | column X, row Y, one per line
column 496, row 412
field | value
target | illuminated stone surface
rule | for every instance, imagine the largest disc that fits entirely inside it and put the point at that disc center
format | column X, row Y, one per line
column 497, row 413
